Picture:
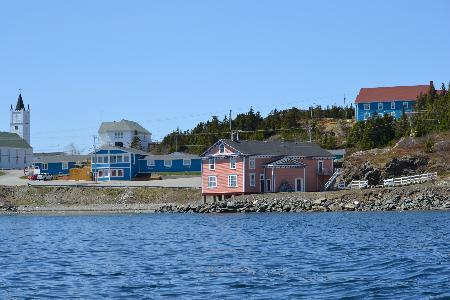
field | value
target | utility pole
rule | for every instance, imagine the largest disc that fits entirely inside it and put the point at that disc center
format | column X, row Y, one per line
column 231, row 131
column 345, row 108
column 176, row 139
column 95, row 159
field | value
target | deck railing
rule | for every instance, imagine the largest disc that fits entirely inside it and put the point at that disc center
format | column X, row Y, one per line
column 332, row 179
column 359, row 184
column 409, row 179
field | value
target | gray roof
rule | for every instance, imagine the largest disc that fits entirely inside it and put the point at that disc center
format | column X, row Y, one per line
column 275, row 148
column 131, row 150
column 286, row 162
column 123, row 125
column 13, row 140
column 172, row 156
column 60, row 158
column 338, row 151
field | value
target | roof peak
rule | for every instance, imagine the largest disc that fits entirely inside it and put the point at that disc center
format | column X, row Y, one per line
column 20, row 105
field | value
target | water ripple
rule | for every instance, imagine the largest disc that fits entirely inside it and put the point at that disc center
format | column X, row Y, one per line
column 258, row 256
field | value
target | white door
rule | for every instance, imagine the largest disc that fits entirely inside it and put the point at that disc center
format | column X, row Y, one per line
column 299, row 187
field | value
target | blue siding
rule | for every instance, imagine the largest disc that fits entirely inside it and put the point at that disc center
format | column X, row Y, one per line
column 385, row 109
column 55, row 168
column 177, row 166
column 130, row 169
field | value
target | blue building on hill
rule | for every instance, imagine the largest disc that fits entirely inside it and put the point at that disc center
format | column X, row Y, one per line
column 117, row 163
column 392, row 101
column 59, row 164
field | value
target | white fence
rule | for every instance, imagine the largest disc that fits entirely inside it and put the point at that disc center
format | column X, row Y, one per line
column 358, row 184
column 409, row 179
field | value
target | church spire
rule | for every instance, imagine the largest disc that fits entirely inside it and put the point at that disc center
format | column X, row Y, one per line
column 20, row 105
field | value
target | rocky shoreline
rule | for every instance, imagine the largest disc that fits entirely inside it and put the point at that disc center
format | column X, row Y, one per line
column 401, row 198
column 77, row 200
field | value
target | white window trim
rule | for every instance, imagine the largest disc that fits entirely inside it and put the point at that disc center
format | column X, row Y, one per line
column 393, row 105
column 251, row 163
column 117, row 171
column 221, row 149
column 368, row 106
column 168, row 165
column 252, row 179
column 211, row 164
column 405, row 104
column 318, row 164
column 65, row 165
column 380, row 104
column 229, row 181
column 366, row 116
column 210, row 181
column 187, row 162
column 44, row 166
column 393, row 114
column 151, row 163
column 233, row 163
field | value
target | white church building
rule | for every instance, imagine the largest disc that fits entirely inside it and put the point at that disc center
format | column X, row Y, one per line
column 15, row 149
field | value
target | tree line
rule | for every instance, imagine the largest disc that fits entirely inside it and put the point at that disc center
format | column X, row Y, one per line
column 288, row 124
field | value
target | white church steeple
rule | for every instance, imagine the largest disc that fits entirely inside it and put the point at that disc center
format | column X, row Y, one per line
column 20, row 119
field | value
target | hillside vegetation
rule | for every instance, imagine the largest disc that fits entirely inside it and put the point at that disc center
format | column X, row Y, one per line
column 329, row 127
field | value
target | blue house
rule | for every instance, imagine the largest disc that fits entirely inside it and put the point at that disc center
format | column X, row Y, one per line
column 59, row 164
column 116, row 163
column 175, row 162
column 393, row 101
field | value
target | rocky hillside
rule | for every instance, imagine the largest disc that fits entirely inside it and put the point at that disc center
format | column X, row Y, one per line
column 409, row 156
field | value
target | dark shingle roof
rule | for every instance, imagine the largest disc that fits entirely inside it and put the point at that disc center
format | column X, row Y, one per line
column 286, row 162
column 123, row 125
column 13, row 140
column 277, row 148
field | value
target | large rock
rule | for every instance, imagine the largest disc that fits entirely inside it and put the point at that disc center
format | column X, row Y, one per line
column 373, row 177
column 406, row 165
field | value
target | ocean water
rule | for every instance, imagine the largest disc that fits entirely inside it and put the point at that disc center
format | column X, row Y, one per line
column 390, row 255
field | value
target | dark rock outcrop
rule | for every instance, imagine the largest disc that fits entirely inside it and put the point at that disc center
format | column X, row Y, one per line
column 404, row 166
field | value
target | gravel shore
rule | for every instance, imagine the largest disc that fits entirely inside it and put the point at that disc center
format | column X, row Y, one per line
column 78, row 200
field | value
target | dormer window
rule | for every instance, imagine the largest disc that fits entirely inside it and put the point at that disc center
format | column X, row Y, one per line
column 222, row 149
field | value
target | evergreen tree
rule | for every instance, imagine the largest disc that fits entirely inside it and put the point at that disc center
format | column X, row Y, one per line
column 136, row 141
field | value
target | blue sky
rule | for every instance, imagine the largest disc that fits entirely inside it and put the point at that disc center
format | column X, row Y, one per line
column 175, row 63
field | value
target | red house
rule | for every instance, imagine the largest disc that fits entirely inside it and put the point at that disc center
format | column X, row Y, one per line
column 245, row 167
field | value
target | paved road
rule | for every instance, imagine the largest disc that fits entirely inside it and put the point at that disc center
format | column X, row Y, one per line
column 12, row 178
